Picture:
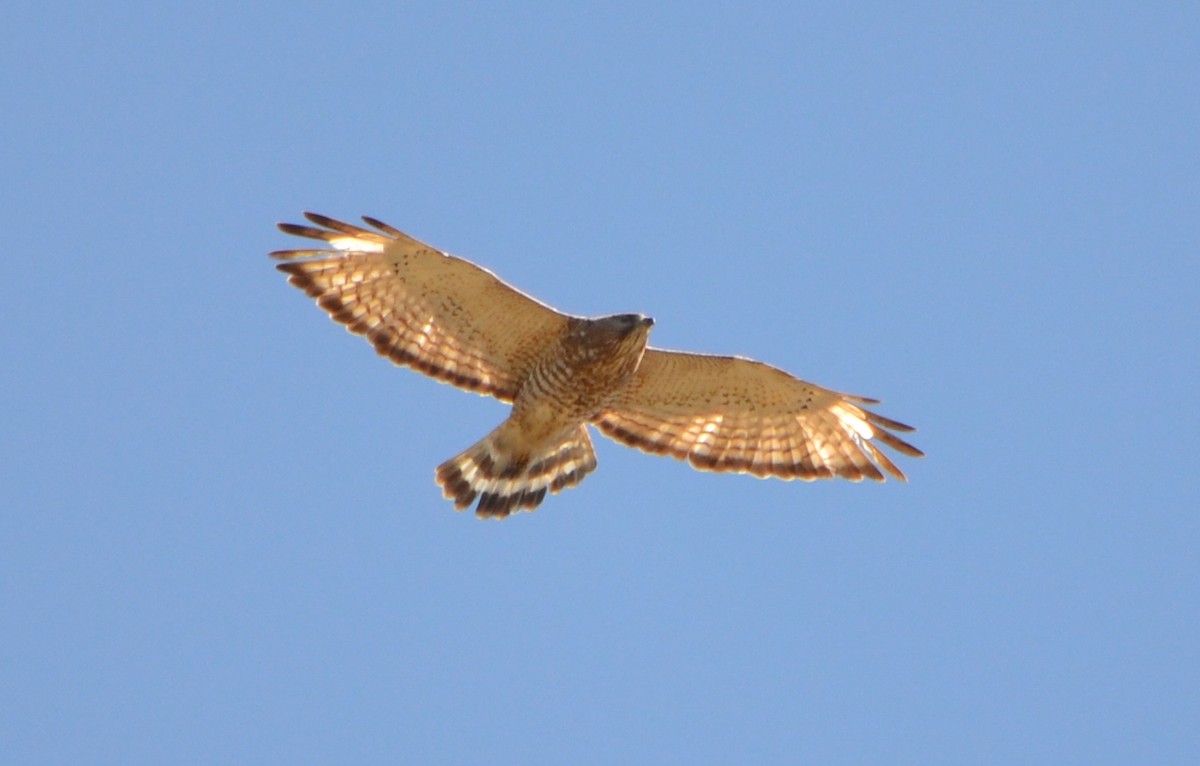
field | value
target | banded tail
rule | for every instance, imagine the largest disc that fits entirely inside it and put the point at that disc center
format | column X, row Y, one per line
column 505, row 482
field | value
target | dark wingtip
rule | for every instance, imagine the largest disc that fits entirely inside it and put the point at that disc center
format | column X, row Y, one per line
column 295, row 229
column 378, row 224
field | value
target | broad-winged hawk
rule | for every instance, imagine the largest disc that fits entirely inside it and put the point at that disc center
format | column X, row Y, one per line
column 457, row 322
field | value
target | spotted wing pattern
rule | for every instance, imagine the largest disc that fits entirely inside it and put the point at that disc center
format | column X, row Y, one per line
column 724, row 413
column 421, row 307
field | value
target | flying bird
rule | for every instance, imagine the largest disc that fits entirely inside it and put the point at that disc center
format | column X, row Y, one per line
column 459, row 323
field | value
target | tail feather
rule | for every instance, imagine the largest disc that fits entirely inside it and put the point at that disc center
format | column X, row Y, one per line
column 505, row 483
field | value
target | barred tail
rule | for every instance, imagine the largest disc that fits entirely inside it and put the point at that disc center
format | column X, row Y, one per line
column 505, row 483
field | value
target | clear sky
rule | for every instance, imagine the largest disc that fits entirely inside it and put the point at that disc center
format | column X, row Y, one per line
column 220, row 539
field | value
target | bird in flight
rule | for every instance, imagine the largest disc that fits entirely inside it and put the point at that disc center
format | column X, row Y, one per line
column 459, row 323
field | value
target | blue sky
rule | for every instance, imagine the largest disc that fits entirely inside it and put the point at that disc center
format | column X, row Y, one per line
column 221, row 540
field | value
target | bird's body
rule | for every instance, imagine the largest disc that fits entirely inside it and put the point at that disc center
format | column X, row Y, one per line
column 459, row 323
column 544, row 443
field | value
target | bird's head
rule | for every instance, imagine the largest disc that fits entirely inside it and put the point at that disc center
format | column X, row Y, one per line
column 616, row 337
column 627, row 323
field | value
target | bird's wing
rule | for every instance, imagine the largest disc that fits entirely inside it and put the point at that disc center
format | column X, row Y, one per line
column 723, row 413
column 420, row 307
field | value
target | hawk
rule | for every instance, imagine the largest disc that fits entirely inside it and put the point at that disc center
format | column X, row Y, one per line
column 459, row 323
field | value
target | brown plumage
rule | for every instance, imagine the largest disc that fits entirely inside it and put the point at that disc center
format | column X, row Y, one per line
column 459, row 323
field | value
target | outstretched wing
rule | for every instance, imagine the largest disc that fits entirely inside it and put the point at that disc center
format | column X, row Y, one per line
column 723, row 413
column 421, row 307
